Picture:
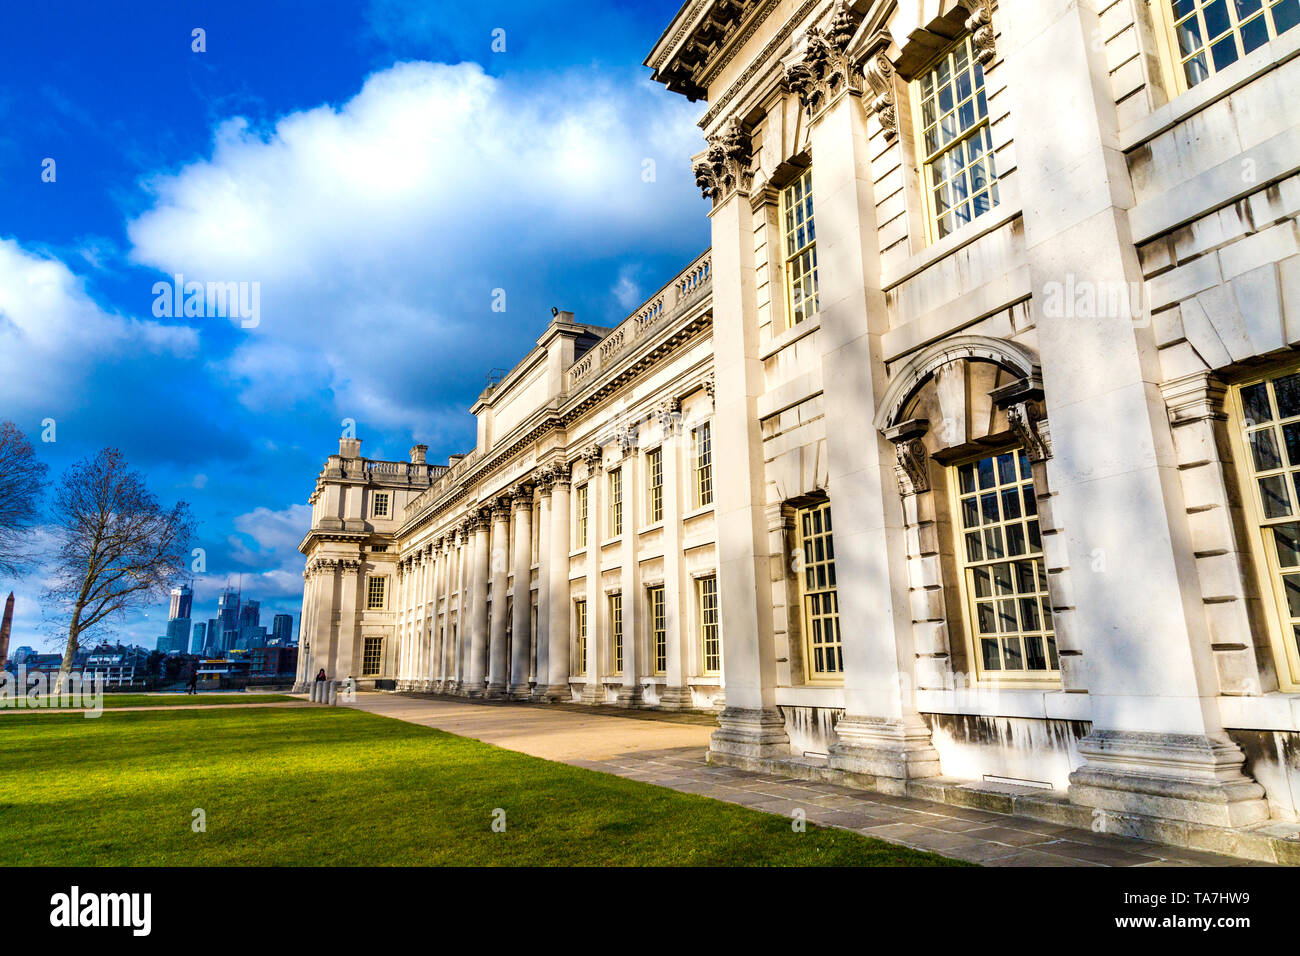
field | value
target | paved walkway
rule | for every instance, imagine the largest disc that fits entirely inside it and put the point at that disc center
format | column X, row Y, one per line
column 668, row 750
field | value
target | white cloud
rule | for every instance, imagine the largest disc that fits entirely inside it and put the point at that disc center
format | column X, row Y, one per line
column 378, row 229
column 51, row 330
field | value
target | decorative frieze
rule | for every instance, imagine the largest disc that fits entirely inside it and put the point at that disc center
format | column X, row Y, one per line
column 724, row 169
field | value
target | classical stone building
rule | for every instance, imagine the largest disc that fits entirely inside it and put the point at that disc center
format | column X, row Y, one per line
column 966, row 462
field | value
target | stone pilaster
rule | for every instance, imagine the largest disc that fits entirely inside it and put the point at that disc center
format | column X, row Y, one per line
column 751, row 727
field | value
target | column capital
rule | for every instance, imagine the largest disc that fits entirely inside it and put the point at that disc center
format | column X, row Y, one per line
column 626, row 437
column 669, row 413
column 521, row 495
column 724, row 169
column 500, row 507
column 593, row 456
column 825, row 70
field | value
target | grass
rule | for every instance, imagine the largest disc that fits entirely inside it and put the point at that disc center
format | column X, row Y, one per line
column 331, row 786
column 183, row 700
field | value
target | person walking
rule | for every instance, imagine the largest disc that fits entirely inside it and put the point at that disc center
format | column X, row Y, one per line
column 193, row 687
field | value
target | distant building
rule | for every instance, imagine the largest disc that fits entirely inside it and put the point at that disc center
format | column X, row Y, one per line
column 282, row 629
column 198, row 636
column 267, row 661
column 182, row 601
column 117, row 664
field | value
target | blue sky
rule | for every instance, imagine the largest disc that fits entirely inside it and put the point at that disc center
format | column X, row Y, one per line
column 377, row 169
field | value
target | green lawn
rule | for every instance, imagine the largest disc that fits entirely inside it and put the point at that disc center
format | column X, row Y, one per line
column 336, row 786
column 182, row 700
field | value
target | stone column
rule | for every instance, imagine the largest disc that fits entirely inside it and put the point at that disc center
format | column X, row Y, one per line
column 594, row 690
column 420, row 574
column 499, row 659
column 881, row 733
column 456, row 666
column 475, row 664
column 542, row 675
column 1157, row 746
column 442, row 599
column 557, row 657
column 629, row 694
column 433, row 672
column 750, row 727
column 352, row 582
column 676, row 693
column 521, row 645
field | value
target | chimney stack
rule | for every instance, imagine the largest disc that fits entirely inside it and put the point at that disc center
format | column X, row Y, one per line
column 417, row 454
column 349, row 447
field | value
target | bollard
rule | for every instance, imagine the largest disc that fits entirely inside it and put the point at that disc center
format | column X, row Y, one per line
column 333, row 698
column 315, row 691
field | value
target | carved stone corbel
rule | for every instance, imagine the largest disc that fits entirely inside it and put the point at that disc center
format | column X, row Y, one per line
column 825, row 70
column 879, row 70
column 1026, row 414
column 912, row 466
column 724, row 169
column 980, row 25
column 708, row 387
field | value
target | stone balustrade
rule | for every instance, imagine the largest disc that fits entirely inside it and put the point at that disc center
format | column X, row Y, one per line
column 684, row 288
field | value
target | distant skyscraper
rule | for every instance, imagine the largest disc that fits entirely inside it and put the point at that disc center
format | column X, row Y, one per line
column 228, row 616
column 200, row 635
column 178, row 636
column 212, row 640
column 182, row 600
column 282, row 629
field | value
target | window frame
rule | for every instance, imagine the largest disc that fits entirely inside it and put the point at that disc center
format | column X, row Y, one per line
column 615, row 603
column 806, row 616
column 1051, row 677
column 580, row 637
column 657, row 621
column 802, row 179
column 924, row 161
column 704, row 623
column 580, row 516
column 382, row 581
column 655, row 485
column 366, row 642
column 375, row 499
column 1174, row 63
column 1266, row 570
column 703, row 468
column 615, row 489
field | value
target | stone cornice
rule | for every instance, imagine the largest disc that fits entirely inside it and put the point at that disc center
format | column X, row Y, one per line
column 764, row 60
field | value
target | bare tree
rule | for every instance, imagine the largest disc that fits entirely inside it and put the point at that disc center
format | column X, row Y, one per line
column 118, row 547
column 22, row 482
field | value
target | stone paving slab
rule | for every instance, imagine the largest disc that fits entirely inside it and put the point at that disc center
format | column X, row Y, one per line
column 672, row 754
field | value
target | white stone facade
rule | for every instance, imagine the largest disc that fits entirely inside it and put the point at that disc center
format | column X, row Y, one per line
column 1049, row 430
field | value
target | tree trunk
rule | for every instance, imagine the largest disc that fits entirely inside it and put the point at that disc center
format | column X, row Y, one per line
column 69, row 652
